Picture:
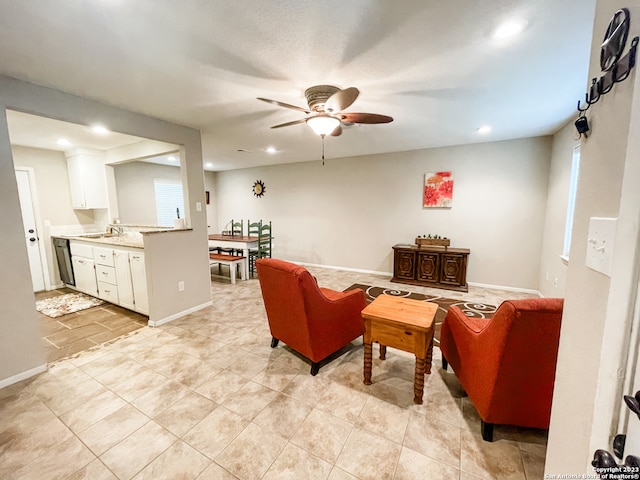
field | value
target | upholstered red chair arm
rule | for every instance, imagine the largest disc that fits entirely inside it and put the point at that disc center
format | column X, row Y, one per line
column 475, row 352
column 336, row 312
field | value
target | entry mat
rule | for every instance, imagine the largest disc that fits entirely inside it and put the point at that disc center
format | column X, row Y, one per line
column 65, row 304
column 470, row 309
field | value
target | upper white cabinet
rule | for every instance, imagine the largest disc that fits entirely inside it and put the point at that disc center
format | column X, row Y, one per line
column 87, row 178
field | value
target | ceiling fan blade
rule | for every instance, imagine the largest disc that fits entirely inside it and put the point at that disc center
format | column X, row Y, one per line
column 341, row 100
column 285, row 105
column 290, row 123
column 337, row 131
column 365, row 118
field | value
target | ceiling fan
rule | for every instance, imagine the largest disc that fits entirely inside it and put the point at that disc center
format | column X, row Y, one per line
column 325, row 112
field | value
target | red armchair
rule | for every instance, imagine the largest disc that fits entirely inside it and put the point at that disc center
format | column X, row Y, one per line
column 313, row 321
column 506, row 364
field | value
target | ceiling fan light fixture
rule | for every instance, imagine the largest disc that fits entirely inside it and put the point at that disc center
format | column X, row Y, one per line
column 323, row 124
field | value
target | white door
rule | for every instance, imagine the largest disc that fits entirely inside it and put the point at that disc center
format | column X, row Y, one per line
column 30, row 230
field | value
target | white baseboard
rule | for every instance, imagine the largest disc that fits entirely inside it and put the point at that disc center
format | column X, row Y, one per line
column 509, row 289
column 23, row 376
column 175, row 316
column 390, row 274
column 346, row 269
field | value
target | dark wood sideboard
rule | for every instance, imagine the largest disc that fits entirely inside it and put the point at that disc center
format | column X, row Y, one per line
column 431, row 266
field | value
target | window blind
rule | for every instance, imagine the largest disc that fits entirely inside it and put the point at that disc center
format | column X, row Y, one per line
column 169, row 199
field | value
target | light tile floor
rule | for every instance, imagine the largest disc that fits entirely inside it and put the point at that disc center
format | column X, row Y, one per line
column 206, row 397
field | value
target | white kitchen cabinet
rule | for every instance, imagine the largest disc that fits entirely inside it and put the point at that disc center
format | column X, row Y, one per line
column 108, row 292
column 139, row 282
column 116, row 275
column 85, row 274
column 123, row 278
column 106, row 274
column 87, row 179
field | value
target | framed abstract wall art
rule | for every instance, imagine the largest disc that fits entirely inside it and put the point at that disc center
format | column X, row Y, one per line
column 438, row 190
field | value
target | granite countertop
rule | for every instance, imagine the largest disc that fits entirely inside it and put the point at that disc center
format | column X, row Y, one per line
column 134, row 241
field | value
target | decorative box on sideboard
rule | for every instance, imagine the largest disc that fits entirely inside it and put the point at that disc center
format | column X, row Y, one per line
column 431, row 266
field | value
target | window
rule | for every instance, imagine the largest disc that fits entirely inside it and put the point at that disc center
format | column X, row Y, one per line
column 571, row 204
column 169, row 201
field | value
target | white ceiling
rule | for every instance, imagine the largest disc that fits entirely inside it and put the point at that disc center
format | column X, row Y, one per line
column 431, row 65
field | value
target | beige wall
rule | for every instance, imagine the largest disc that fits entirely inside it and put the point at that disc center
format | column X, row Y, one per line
column 551, row 265
column 594, row 315
column 135, row 190
column 350, row 212
column 212, row 215
column 54, row 197
column 20, row 343
column 20, row 349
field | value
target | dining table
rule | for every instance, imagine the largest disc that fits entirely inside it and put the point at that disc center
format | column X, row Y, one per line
column 239, row 242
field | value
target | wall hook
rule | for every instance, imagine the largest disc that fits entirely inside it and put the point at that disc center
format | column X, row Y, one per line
column 586, row 101
column 594, row 94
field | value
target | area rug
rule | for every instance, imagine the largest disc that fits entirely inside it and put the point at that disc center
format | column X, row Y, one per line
column 470, row 309
column 60, row 305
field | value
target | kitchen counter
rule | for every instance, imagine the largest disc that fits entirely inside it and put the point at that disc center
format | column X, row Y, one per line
column 125, row 240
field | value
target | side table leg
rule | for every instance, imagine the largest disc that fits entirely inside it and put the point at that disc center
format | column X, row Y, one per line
column 383, row 352
column 418, row 381
column 368, row 361
column 429, row 355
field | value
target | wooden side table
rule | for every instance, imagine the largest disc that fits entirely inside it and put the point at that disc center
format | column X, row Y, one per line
column 400, row 323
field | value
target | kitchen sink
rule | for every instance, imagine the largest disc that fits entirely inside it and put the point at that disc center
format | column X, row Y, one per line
column 96, row 235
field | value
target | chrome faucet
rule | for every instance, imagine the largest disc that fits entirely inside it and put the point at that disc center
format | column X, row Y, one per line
column 117, row 229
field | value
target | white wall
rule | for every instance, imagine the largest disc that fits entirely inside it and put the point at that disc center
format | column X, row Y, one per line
column 136, row 192
column 551, row 266
column 212, row 214
column 595, row 316
column 351, row 211
column 54, row 196
column 20, row 349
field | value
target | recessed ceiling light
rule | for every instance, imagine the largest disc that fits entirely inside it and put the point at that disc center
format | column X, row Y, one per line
column 99, row 129
column 64, row 142
column 483, row 130
column 509, row 29
column 271, row 150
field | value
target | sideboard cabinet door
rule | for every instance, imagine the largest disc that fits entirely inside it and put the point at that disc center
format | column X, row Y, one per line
column 454, row 269
column 428, row 267
column 404, row 265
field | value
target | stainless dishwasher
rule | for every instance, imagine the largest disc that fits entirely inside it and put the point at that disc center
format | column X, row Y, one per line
column 61, row 246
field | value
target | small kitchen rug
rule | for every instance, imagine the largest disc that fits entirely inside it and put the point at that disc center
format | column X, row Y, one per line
column 60, row 305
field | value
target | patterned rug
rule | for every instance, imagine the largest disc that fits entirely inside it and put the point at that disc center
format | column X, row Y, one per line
column 64, row 304
column 470, row 309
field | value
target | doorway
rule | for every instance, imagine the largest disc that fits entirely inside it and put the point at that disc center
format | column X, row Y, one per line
column 33, row 239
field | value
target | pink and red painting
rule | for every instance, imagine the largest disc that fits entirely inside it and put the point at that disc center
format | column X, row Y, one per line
column 438, row 190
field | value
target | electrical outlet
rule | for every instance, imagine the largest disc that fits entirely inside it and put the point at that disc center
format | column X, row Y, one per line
column 181, row 286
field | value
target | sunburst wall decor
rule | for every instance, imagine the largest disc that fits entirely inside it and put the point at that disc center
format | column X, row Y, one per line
column 258, row 188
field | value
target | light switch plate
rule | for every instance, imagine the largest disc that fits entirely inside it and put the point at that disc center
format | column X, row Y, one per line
column 600, row 243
